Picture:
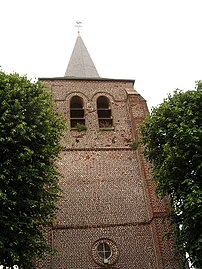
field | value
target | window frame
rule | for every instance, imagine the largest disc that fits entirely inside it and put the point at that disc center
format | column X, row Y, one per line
column 102, row 260
column 77, row 112
column 104, row 113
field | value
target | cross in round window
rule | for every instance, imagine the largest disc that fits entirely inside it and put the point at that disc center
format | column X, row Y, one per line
column 104, row 251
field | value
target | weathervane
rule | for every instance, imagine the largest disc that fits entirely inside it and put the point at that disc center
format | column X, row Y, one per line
column 78, row 25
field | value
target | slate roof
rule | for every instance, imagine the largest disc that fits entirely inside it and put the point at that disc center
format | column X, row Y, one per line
column 80, row 63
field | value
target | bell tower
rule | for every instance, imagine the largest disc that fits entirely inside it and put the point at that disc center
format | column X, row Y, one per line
column 109, row 215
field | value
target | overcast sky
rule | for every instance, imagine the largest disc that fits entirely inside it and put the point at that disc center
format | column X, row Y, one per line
column 156, row 42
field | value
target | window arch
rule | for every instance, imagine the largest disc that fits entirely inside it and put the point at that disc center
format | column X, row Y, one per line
column 104, row 112
column 77, row 115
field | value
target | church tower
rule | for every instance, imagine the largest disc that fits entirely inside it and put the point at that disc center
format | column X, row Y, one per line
column 109, row 215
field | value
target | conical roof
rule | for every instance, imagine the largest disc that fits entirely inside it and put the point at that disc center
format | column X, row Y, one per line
column 80, row 63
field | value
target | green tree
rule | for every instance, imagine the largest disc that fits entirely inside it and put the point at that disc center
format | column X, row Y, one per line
column 30, row 131
column 172, row 139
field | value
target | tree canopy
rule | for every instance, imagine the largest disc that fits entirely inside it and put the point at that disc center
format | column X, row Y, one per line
column 30, row 131
column 172, row 138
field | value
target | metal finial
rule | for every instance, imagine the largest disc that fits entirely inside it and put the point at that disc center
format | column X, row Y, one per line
column 78, row 25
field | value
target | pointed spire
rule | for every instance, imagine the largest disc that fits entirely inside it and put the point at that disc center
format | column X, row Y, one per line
column 80, row 64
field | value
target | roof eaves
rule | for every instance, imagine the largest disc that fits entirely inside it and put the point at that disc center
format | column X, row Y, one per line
column 91, row 79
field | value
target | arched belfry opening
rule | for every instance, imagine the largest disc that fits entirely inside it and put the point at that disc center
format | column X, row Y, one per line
column 77, row 113
column 104, row 112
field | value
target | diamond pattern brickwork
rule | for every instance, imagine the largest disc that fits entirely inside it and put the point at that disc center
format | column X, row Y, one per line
column 110, row 184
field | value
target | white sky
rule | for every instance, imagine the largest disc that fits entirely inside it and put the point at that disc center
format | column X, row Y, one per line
column 156, row 42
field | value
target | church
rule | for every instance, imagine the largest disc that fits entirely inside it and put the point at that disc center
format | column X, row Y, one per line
column 109, row 215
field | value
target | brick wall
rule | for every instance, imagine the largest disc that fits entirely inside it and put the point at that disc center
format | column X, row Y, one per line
column 108, row 192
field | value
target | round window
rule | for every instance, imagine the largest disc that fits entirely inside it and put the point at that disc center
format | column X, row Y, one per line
column 104, row 251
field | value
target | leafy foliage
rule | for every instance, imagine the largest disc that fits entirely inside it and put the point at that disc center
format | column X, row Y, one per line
column 134, row 145
column 80, row 127
column 172, row 137
column 30, row 132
